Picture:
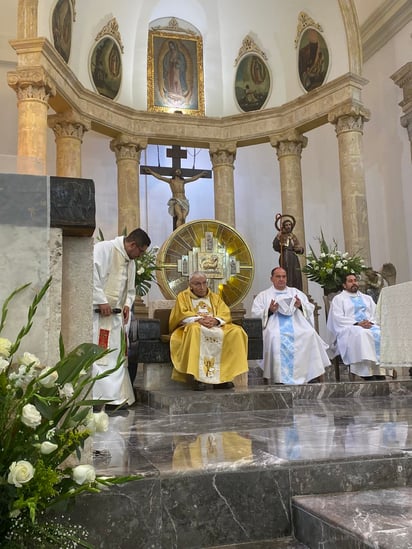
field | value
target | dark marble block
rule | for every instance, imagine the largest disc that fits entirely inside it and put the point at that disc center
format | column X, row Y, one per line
column 72, row 205
column 144, row 328
column 119, row 517
column 217, row 508
column 149, row 351
column 254, row 349
column 252, row 326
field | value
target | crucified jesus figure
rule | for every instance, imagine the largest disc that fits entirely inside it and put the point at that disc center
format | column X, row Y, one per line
column 178, row 204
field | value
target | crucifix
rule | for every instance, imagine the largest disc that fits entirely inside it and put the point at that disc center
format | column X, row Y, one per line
column 178, row 177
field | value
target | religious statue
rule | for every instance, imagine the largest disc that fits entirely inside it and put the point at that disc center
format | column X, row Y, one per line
column 287, row 244
column 178, row 204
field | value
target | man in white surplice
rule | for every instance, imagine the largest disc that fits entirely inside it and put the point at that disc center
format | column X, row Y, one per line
column 114, row 288
column 353, row 332
column 293, row 352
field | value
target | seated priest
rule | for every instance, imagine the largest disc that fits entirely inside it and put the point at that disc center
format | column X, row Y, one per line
column 293, row 352
column 353, row 332
column 205, row 347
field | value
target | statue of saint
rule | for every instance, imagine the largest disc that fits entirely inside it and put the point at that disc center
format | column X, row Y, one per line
column 178, row 204
column 288, row 245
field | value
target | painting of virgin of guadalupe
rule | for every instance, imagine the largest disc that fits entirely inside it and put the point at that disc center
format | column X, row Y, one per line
column 61, row 21
column 175, row 73
column 106, row 67
column 313, row 60
column 252, row 83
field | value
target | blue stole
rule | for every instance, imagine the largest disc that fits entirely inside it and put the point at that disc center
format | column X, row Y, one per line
column 287, row 347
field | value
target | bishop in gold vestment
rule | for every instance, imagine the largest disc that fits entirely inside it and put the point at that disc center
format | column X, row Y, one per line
column 204, row 343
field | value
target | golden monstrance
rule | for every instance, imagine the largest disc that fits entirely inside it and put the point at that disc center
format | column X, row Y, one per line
column 215, row 249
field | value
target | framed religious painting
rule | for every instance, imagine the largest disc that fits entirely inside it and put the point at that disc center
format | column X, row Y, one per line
column 313, row 59
column 252, row 82
column 175, row 73
column 106, row 66
column 61, row 23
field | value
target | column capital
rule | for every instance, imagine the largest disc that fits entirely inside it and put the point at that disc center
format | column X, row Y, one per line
column 68, row 124
column 349, row 116
column 288, row 143
column 128, row 147
column 223, row 153
column 31, row 84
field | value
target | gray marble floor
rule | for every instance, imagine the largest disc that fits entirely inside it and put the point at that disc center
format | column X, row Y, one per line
column 143, row 440
column 359, row 446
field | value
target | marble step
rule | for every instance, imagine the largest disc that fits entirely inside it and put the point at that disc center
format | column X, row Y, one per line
column 381, row 519
column 183, row 400
column 280, row 543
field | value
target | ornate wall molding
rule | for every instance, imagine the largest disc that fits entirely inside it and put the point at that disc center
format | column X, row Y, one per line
column 249, row 46
column 111, row 29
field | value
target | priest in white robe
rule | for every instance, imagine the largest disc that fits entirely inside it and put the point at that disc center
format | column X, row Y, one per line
column 293, row 352
column 113, row 297
column 353, row 332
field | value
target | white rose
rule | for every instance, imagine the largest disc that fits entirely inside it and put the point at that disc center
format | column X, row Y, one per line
column 3, row 365
column 83, row 474
column 47, row 447
column 29, row 360
column 20, row 473
column 66, row 391
column 50, row 379
column 5, row 346
column 30, row 416
column 140, row 271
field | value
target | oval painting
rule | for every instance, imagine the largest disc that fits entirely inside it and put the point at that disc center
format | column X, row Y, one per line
column 252, row 83
column 313, row 60
column 62, row 28
column 106, row 67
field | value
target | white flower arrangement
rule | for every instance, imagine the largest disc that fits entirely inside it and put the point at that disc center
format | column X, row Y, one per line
column 145, row 270
column 331, row 266
column 45, row 417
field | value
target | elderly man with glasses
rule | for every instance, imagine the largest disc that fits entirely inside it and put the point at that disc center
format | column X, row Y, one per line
column 205, row 347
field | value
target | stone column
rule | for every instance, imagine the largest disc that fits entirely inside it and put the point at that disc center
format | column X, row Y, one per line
column 289, row 147
column 223, row 156
column 68, row 129
column 403, row 79
column 33, row 90
column 27, row 13
column 348, row 120
column 127, row 150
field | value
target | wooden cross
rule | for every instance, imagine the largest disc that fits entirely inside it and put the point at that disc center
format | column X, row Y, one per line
column 176, row 154
column 177, row 179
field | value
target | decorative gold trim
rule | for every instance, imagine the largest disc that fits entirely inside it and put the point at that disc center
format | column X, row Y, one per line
column 249, row 46
column 159, row 98
column 111, row 29
column 304, row 21
column 174, row 27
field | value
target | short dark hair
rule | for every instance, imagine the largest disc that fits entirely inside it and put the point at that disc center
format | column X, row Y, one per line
column 139, row 237
column 345, row 277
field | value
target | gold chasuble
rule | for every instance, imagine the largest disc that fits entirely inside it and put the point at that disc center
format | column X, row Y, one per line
column 212, row 355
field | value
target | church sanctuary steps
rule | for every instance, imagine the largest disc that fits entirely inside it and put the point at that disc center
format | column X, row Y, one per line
column 243, row 477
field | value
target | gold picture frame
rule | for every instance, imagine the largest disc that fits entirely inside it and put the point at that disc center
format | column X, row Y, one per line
column 175, row 73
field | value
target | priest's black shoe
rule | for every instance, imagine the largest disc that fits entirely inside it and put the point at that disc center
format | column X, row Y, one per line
column 198, row 385
column 226, row 385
